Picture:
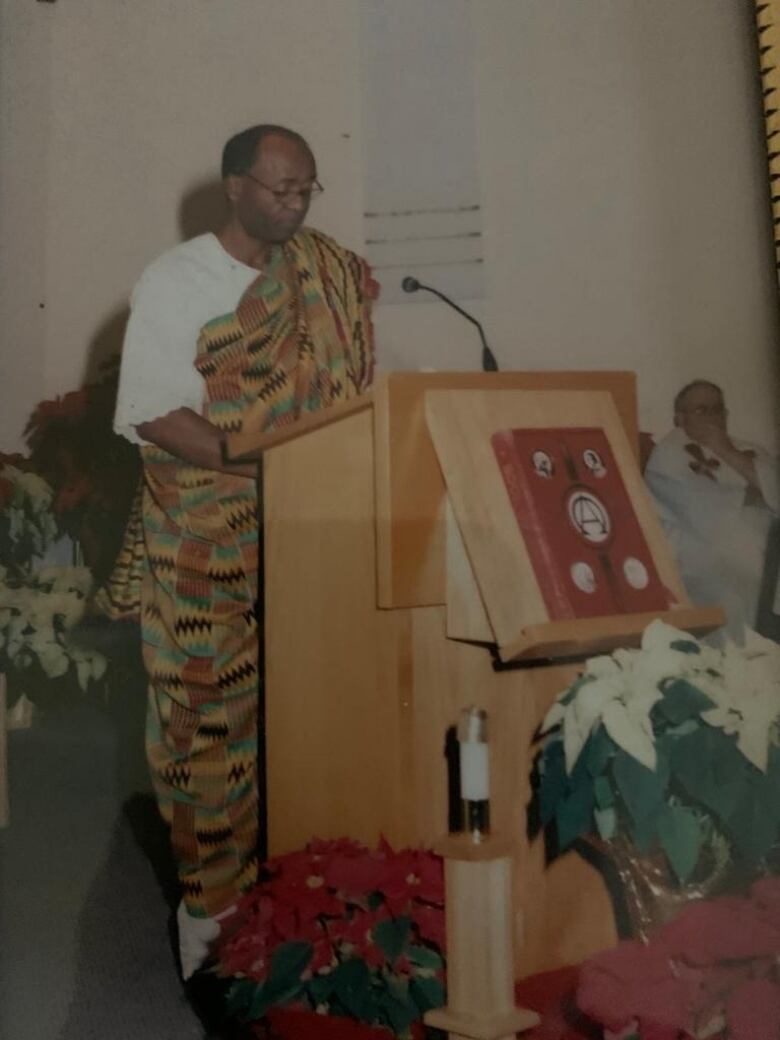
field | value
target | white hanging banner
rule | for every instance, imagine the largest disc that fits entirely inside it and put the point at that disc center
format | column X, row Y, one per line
column 423, row 212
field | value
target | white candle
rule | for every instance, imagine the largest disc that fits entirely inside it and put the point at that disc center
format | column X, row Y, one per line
column 473, row 747
column 474, row 777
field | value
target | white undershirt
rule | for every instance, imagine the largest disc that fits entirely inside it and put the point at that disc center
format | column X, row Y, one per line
column 175, row 296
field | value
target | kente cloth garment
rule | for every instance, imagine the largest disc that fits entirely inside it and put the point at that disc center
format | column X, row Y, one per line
column 299, row 340
column 717, row 525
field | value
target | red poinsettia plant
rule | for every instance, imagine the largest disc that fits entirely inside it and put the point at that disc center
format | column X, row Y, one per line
column 341, row 929
column 713, row 971
column 93, row 472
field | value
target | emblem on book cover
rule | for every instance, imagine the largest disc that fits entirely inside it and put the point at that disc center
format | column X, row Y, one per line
column 543, row 464
column 635, row 573
column 583, row 539
column 593, row 461
column 589, row 516
column 583, row 577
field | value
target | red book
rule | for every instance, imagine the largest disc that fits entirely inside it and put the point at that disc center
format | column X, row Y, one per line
column 586, row 547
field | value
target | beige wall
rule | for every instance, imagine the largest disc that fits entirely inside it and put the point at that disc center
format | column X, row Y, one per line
column 622, row 167
column 24, row 110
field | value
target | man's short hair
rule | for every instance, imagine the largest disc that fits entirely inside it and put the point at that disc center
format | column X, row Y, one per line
column 679, row 400
column 241, row 150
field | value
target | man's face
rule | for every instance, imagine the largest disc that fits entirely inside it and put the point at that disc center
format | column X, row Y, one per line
column 703, row 406
column 271, row 200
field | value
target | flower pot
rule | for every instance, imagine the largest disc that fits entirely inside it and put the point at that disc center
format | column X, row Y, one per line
column 649, row 894
column 294, row 1024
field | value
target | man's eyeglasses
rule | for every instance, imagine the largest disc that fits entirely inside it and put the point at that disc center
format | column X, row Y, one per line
column 285, row 195
column 706, row 410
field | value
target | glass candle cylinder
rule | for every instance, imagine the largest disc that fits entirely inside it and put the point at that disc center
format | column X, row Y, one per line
column 474, row 772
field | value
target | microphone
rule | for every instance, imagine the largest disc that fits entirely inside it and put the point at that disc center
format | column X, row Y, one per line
column 410, row 284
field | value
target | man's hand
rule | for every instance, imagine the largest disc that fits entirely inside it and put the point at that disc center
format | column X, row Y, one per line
column 711, row 436
column 190, row 437
column 714, row 437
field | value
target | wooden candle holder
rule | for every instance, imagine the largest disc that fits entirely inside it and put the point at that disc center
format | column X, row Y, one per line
column 480, row 957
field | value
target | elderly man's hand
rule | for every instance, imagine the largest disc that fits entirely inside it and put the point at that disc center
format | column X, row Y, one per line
column 711, row 436
column 718, row 441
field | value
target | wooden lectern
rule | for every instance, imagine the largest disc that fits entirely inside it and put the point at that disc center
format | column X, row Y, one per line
column 382, row 589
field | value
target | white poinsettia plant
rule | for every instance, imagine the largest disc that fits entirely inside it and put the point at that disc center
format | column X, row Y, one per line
column 37, row 616
column 674, row 746
column 27, row 523
column 39, row 606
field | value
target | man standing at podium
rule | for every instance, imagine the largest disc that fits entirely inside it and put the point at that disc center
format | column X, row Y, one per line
column 245, row 329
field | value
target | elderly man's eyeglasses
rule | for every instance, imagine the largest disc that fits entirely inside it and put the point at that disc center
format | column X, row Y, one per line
column 286, row 195
column 706, row 410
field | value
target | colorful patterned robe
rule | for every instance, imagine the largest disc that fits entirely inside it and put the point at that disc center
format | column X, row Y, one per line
column 299, row 340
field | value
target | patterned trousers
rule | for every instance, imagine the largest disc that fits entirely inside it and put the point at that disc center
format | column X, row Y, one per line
column 203, row 761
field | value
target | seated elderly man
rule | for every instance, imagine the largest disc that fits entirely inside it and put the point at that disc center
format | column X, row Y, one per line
column 717, row 498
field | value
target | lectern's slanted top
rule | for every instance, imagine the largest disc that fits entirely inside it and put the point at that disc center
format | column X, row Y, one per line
column 534, row 598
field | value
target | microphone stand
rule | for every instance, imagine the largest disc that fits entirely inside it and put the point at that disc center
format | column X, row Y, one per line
column 489, row 363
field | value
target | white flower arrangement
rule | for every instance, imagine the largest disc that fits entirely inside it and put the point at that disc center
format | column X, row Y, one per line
column 30, row 526
column 621, row 689
column 746, row 691
column 36, row 620
column 39, row 605
column 674, row 746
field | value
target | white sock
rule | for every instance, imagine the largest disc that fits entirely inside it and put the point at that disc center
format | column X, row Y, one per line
column 196, row 934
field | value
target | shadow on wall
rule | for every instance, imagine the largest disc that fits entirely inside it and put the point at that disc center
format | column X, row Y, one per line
column 202, row 209
column 92, row 471
column 105, row 347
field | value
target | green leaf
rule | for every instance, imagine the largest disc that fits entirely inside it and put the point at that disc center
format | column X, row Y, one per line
column 579, row 773
column 399, row 1008
column 287, row 964
column 352, row 988
column 574, row 816
column 391, row 936
column 641, row 789
column 240, row 995
column 267, row 996
column 711, row 770
column 682, row 700
column 681, row 837
column 602, row 789
column 397, row 986
column 424, row 957
column 260, row 1004
column 427, row 993
column 606, row 821
column 729, row 765
column 320, row 988
column 685, row 646
column 599, row 751
column 645, row 832
column 553, row 781
column 689, row 726
column 394, row 1014
column 773, row 777
column 753, row 823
